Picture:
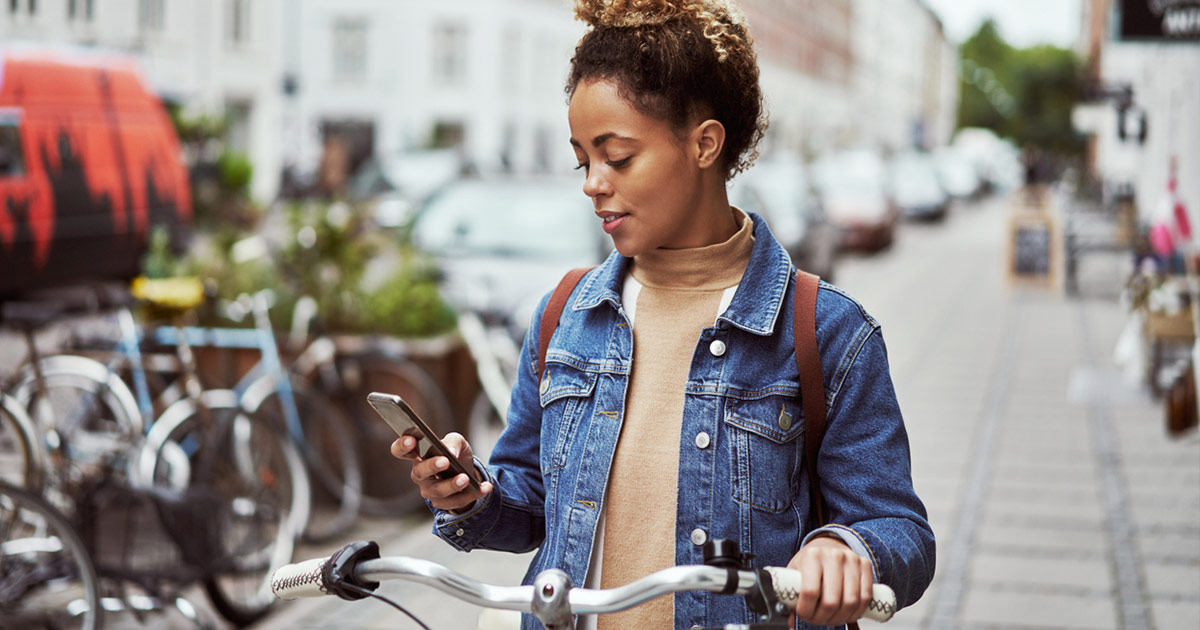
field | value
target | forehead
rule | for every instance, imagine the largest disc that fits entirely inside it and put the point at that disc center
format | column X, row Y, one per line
column 597, row 108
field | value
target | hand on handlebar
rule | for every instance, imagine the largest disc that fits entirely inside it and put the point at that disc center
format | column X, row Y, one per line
column 838, row 583
column 445, row 494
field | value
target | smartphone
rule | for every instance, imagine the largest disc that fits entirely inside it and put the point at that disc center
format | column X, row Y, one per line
column 405, row 421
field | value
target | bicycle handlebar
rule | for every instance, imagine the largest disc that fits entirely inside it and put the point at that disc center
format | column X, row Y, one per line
column 551, row 598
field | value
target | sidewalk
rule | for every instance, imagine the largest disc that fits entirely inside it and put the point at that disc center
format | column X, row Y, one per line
column 1057, row 499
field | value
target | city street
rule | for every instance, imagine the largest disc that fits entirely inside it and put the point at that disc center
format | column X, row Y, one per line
column 1057, row 498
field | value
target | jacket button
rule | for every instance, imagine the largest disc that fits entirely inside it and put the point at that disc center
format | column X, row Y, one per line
column 717, row 348
column 702, row 440
column 545, row 386
column 459, row 533
column 699, row 536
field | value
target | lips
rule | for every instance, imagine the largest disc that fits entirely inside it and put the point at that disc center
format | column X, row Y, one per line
column 612, row 220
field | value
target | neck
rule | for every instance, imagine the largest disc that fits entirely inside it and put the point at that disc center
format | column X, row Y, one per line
column 715, row 220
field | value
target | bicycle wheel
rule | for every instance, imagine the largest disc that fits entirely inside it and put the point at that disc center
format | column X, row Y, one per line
column 262, row 490
column 89, row 414
column 47, row 580
column 387, row 489
column 327, row 445
column 21, row 452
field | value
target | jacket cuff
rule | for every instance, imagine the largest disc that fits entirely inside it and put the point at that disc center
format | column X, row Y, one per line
column 463, row 531
column 848, row 536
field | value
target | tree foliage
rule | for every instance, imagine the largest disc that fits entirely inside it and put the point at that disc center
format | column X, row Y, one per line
column 1026, row 94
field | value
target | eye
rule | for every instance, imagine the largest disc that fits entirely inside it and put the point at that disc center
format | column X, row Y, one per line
column 619, row 164
column 582, row 167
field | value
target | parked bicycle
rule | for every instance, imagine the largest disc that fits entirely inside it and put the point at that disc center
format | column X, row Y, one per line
column 354, row 573
column 204, row 449
column 47, row 579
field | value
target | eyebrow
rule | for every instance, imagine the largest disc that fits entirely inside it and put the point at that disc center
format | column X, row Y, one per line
column 601, row 139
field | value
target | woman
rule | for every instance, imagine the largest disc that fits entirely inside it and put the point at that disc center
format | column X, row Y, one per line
column 669, row 412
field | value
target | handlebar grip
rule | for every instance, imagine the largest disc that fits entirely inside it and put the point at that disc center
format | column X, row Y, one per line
column 787, row 588
column 302, row 579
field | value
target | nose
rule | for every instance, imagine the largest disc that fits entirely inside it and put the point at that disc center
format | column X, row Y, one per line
column 595, row 185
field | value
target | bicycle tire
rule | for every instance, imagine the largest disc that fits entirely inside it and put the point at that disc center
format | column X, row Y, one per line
column 328, row 447
column 264, row 488
column 22, row 454
column 387, row 489
column 93, row 416
column 44, row 563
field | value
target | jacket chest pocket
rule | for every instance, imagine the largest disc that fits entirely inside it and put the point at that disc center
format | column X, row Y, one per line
column 766, row 442
column 565, row 395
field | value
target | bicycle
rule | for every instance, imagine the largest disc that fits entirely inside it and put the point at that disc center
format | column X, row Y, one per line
column 202, row 443
column 318, row 428
column 345, row 370
column 354, row 572
column 47, row 579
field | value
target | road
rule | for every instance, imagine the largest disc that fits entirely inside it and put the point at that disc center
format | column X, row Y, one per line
column 1056, row 497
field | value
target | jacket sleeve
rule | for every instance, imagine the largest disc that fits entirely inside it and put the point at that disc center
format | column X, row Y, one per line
column 866, row 473
column 512, row 517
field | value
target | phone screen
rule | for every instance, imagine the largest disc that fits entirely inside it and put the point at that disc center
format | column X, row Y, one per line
column 405, row 421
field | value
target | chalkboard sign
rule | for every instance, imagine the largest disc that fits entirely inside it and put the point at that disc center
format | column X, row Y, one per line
column 1033, row 248
column 1031, row 255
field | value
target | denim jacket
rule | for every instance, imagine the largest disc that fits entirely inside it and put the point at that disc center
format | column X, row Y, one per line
column 741, row 474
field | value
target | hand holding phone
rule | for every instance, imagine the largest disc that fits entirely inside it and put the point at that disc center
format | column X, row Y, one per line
column 405, row 422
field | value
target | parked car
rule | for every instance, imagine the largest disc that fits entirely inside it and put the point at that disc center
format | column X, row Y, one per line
column 853, row 189
column 956, row 173
column 914, row 186
column 503, row 242
column 89, row 165
column 779, row 189
column 395, row 186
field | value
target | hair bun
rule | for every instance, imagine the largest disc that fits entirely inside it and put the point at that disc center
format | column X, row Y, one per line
column 715, row 17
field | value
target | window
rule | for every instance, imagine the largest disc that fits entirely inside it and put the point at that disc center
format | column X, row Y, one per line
column 12, row 160
column 33, row 6
column 72, row 9
column 237, row 21
column 449, row 54
column 151, row 15
column 350, row 49
column 14, row 6
column 89, row 9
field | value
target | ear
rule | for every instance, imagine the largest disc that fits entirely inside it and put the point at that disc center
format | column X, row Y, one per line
column 709, row 140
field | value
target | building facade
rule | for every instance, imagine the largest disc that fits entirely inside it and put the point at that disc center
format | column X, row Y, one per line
column 303, row 81
column 1145, row 121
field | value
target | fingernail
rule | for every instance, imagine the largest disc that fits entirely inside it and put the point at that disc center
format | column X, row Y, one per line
column 460, row 481
column 442, row 462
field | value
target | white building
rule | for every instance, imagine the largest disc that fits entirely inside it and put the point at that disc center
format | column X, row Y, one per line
column 1161, row 75
column 905, row 76
column 399, row 75
column 214, row 56
column 385, row 76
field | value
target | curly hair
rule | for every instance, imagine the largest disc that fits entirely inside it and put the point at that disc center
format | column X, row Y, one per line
column 677, row 60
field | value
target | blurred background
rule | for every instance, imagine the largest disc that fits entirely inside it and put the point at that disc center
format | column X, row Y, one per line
column 382, row 190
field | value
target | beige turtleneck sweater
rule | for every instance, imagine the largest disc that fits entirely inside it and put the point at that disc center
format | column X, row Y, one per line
column 674, row 295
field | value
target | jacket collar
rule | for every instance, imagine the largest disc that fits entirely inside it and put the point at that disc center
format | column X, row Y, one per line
column 756, row 303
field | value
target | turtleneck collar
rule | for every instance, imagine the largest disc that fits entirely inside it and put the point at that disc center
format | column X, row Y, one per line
column 718, row 266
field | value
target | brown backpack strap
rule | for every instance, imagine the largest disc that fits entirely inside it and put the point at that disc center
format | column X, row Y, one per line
column 812, row 387
column 554, row 309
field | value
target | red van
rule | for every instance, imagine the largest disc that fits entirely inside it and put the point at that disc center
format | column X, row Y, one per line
column 89, row 161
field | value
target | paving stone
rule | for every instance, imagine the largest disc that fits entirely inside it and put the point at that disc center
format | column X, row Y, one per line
column 1085, row 510
column 1090, row 575
column 1170, row 615
column 1034, row 610
column 1042, row 538
column 1173, row 580
column 1177, row 545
